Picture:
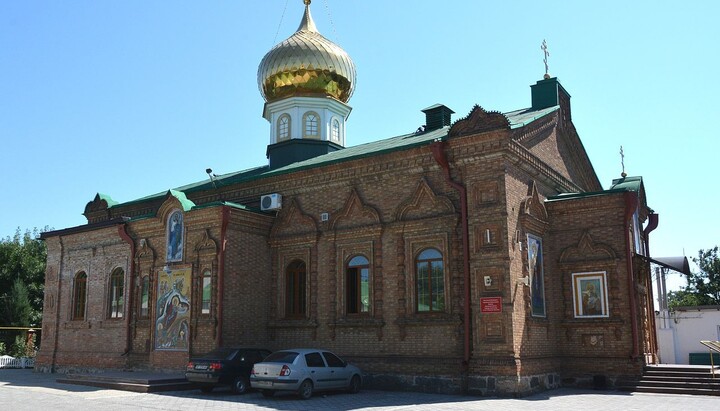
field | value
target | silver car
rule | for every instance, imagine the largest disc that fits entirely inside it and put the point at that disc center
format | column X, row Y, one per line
column 304, row 371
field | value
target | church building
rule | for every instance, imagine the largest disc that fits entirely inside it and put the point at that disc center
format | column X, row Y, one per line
column 476, row 255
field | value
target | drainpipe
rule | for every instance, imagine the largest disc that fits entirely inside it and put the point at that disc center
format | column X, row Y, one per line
column 225, row 213
column 652, row 225
column 631, row 203
column 122, row 231
column 438, row 151
column 57, row 304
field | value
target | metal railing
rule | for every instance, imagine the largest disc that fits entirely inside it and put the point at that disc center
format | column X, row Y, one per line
column 7, row 361
column 713, row 346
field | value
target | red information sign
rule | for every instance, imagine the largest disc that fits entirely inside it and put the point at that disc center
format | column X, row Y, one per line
column 491, row 305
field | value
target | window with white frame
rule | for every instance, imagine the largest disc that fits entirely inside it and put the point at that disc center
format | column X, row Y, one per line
column 283, row 128
column 311, row 121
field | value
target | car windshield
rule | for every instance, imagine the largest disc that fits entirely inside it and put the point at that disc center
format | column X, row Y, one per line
column 224, row 353
column 282, row 356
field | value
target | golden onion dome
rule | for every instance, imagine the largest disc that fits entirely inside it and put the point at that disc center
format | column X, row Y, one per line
column 306, row 64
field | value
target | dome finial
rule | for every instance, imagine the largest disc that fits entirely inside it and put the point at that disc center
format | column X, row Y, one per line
column 307, row 23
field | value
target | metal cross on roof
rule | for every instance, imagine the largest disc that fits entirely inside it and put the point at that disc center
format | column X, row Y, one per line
column 544, row 48
column 622, row 162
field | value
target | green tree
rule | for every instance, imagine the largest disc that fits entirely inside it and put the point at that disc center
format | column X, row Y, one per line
column 22, row 279
column 703, row 288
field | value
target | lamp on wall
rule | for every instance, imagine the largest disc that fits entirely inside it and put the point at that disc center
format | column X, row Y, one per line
column 524, row 281
column 167, row 268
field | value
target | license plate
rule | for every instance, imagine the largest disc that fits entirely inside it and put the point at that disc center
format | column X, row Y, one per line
column 264, row 383
column 201, row 367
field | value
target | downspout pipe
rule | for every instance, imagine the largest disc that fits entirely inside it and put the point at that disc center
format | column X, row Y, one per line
column 225, row 218
column 631, row 204
column 122, row 231
column 653, row 220
column 58, row 305
column 438, row 151
column 652, row 225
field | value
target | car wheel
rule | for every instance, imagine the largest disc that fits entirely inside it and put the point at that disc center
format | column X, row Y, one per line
column 207, row 389
column 306, row 390
column 354, row 386
column 267, row 393
column 240, row 385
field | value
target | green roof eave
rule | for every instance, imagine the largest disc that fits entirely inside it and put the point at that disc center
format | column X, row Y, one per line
column 521, row 118
column 516, row 119
column 110, row 202
column 569, row 196
column 628, row 183
column 185, row 203
column 402, row 142
column 226, row 204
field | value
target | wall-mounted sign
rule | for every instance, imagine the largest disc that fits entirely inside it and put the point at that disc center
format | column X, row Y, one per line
column 491, row 305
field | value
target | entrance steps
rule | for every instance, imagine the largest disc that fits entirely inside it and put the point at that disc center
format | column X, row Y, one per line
column 676, row 379
column 130, row 381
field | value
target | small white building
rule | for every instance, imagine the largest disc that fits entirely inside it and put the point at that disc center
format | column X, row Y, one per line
column 679, row 333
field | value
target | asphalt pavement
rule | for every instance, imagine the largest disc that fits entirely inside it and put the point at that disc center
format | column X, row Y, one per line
column 27, row 390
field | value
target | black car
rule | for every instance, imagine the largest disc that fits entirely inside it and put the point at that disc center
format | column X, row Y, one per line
column 224, row 366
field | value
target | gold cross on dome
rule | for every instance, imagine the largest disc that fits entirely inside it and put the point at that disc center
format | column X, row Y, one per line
column 544, row 48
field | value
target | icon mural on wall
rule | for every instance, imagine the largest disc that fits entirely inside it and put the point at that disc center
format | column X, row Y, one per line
column 537, row 276
column 175, row 236
column 590, row 297
column 172, row 323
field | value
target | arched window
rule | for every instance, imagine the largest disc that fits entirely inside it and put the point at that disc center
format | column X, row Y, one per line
column 311, row 121
column 358, row 285
column 117, row 286
column 79, row 296
column 430, row 281
column 175, row 236
column 295, row 286
column 283, row 128
column 335, row 132
column 145, row 297
column 206, row 291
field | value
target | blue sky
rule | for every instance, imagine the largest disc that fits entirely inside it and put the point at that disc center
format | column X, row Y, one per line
column 136, row 97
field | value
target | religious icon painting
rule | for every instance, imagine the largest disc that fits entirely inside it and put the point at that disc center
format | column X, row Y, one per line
column 172, row 322
column 175, row 236
column 537, row 276
column 590, row 299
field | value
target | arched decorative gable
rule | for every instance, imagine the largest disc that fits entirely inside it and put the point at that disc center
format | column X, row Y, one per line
column 355, row 214
column 294, row 223
column 587, row 250
column 424, row 203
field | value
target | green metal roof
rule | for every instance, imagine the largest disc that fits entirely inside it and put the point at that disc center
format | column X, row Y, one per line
column 627, row 183
column 517, row 119
column 521, row 118
column 110, row 202
column 620, row 185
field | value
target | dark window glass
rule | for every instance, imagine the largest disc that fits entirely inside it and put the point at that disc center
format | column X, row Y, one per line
column 145, row 297
column 430, row 281
column 206, row 292
column 314, row 359
column 79, row 296
column 287, row 357
column 295, row 289
column 333, row 360
column 117, row 282
column 358, row 285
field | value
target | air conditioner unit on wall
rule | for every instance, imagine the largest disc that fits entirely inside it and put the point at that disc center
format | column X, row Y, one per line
column 271, row 202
